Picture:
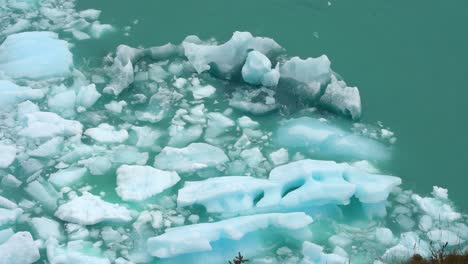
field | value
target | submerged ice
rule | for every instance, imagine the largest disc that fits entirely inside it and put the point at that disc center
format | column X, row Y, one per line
column 192, row 152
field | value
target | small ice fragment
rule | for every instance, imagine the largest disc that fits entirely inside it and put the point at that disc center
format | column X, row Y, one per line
column 7, row 156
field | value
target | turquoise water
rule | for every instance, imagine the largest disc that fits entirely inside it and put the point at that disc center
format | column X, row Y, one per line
column 408, row 58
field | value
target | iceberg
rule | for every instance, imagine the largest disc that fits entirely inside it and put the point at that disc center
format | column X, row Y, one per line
column 299, row 184
column 136, row 183
column 342, row 98
column 19, row 57
column 105, row 133
column 89, row 209
column 203, row 237
column 194, row 157
column 329, row 141
column 226, row 59
column 257, row 70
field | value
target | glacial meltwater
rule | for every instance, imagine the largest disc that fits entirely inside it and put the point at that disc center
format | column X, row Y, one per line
column 287, row 131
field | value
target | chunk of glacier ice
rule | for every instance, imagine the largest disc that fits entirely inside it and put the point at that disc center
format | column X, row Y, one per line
column 294, row 185
column 436, row 208
column 342, row 98
column 47, row 125
column 329, row 141
column 313, row 254
column 75, row 252
column 89, row 209
column 63, row 103
column 35, row 55
column 19, row 249
column 136, row 183
column 106, row 133
column 7, row 156
column 45, row 228
column 9, row 216
column 49, row 148
column 200, row 237
column 311, row 72
column 87, row 96
column 257, row 70
column 226, row 59
column 409, row 245
column 12, row 94
column 67, row 177
column 190, row 159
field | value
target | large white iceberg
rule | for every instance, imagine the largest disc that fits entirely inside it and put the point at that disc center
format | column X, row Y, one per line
column 35, row 55
column 89, row 209
column 300, row 184
column 136, row 183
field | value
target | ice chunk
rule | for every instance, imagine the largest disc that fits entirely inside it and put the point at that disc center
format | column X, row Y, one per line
column 35, row 55
column 115, row 106
column 201, row 237
column 97, row 165
column 191, row 158
column 90, row 14
column 313, row 254
column 47, row 125
column 106, row 133
column 435, row 208
column 6, row 203
column 97, row 30
column 255, row 101
column 43, row 192
column 253, row 157
column 294, row 185
column 409, row 245
column 128, row 155
column 10, row 181
column 7, row 156
column 89, row 209
column 46, row 228
column 146, row 136
column 67, row 177
column 342, row 98
column 63, row 103
column 9, row 216
column 200, row 92
column 439, row 192
column 12, row 94
column 325, row 140
column 19, row 249
column 217, row 125
column 227, row 59
column 122, row 69
column 137, row 183
column 281, row 156
column 87, row 96
column 257, row 70
column 49, row 148
column 75, row 252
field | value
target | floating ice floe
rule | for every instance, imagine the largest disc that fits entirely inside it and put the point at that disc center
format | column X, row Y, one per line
column 89, row 209
column 19, row 249
column 326, row 140
column 136, row 183
column 191, row 158
column 297, row 185
column 12, row 94
column 197, row 238
column 19, row 56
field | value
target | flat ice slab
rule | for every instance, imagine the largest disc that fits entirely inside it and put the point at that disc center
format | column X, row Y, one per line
column 141, row 182
column 90, row 209
column 35, row 55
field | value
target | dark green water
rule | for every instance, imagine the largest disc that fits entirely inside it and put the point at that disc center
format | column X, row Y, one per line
column 408, row 58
